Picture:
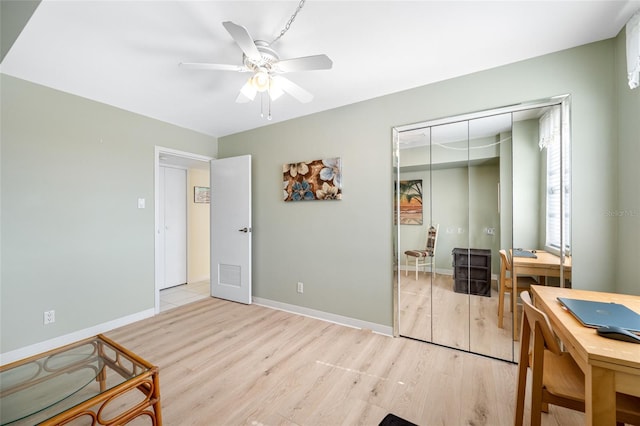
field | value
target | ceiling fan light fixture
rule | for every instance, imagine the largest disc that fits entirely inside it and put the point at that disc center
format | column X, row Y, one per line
column 248, row 90
column 261, row 80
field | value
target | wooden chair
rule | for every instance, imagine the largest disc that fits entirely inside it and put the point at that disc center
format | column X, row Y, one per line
column 506, row 286
column 420, row 257
column 556, row 378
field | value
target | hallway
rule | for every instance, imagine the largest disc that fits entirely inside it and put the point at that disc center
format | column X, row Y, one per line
column 183, row 294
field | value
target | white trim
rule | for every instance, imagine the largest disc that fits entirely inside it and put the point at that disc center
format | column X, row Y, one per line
column 440, row 271
column 183, row 154
column 66, row 339
column 173, row 166
column 325, row 316
column 156, row 185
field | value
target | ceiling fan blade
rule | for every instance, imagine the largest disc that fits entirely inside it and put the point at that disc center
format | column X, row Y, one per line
column 243, row 39
column 293, row 89
column 247, row 93
column 215, row 67
column 275, row 90
column 307, row 63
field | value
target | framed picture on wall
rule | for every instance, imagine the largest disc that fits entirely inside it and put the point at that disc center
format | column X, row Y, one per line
column 312, row 180
column 411, row 202
column 201, row 194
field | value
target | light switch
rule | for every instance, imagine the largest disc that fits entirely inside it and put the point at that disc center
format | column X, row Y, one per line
column 141, row 203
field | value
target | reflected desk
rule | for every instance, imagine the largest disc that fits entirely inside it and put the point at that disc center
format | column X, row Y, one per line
column 545, row 264
column 609, row 366
column 94, row 379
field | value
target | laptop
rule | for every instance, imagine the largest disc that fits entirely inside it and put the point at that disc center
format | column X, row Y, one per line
column 596, row 314
column 524, row 253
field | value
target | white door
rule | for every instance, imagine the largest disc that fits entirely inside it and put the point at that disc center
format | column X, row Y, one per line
column 231, row 229
column 173, row 222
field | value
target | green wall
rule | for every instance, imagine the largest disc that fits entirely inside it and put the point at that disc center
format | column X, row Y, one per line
column 625, row 212
column 471, row 210
column 73, row 239
column 340, row 250
column 343, row 251
column 528, row 205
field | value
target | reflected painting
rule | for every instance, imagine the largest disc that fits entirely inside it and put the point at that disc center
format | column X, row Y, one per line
column 312, row 180
column 411, row 202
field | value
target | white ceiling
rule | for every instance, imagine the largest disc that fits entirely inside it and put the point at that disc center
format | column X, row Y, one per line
column 126, row 53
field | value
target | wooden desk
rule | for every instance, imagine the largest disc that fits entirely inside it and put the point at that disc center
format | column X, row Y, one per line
column 609, row 366
column 545, row 264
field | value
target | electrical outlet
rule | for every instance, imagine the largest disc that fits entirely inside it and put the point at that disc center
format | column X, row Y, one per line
column 300, row 287
column 49, row 317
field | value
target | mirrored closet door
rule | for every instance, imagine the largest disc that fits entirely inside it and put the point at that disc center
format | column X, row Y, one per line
column 473, row 194
column 450, row 199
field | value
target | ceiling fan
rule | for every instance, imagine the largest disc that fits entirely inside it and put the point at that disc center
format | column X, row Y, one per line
column 266, row 67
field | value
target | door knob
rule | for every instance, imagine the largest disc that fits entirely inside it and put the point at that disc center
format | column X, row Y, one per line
column 245, row 229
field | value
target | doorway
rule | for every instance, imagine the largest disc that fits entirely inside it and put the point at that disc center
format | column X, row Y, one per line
column 173, row 225
column 196, row 169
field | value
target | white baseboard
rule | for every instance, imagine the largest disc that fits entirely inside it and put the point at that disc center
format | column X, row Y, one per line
column 57, row 342
column 325, row 316
column 423, row 270
column 494, row 277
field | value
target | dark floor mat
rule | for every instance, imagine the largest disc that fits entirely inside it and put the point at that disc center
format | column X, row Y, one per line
column 393, row 420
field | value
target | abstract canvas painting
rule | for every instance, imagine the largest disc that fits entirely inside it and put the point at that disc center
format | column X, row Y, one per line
column 312, row 180
column 411, row 202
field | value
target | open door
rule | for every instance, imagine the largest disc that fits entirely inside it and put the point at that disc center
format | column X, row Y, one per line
column 231, row 229
column 173, row 226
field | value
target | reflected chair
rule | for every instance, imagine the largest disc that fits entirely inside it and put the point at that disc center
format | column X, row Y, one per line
column 422, row 257
column 556, row 378
column 506, row 286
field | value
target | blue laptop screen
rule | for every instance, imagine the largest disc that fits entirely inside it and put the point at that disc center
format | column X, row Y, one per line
column 597, row 314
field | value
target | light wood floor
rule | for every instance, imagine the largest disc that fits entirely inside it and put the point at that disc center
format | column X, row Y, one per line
column 432, row 311
column 223, row 363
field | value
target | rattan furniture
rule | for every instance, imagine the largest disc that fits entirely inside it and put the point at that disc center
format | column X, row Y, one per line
column 94, row 380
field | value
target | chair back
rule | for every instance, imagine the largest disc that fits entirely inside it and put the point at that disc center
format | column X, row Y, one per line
column 539, row 324
column 504, row 261
column 432, row 238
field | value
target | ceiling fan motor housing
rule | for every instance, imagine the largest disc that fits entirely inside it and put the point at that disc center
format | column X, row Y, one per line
column 268, row 57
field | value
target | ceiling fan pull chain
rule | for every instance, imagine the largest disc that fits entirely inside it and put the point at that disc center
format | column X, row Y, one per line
column 261, row 106
column 288, row 25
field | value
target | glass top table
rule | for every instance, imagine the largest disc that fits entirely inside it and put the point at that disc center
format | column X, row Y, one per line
column 95, row 377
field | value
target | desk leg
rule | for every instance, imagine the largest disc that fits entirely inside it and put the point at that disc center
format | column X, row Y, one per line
column 600, row 397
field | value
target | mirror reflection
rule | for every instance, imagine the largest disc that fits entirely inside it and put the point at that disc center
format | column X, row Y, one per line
column 450, row 207
column 482, row 207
